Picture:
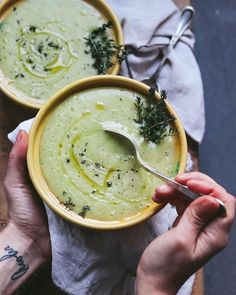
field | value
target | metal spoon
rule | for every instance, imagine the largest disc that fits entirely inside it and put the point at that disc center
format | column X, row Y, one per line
column 185, row 22
column 181, row 188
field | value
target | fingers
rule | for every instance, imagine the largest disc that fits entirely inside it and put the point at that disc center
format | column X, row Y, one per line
column 196, row 182
column 202, row 225
column 194, row 224
column 16, row 169
column 166, row 194
column 213, row 189
column 198, row 214
column 184, row 178
column 223, row 223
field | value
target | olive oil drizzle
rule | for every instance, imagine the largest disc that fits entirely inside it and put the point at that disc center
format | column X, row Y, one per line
column 42, row 56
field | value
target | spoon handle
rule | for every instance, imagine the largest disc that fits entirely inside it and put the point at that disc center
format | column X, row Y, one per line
column 185, row 21
column 179, row 187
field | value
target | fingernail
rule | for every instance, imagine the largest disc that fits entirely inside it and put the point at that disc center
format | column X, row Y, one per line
column 155, row 198
column 19, row 136
column 162, row 187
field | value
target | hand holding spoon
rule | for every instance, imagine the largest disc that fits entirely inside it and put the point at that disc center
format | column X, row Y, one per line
column 181, row 188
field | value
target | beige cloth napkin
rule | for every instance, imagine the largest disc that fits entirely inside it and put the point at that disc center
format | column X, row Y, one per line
column 148, row 26
column 86, row 262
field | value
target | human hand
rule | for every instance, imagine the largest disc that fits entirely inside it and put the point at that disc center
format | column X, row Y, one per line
column 198, row 234
column 25, row 210
column 25, row 241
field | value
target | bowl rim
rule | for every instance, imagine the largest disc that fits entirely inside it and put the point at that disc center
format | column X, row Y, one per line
column 103, row 8
column 34, row 142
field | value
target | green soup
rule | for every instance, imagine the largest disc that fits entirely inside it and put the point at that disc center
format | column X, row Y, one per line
column 93, row 172
column 42, row 46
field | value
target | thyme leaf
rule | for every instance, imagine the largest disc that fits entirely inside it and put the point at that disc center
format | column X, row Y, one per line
column 84, row 211
column 103, row 49
column 19, row 75
column 154, row 118
column 69, row 203
column 53, row 45
column 32, row 28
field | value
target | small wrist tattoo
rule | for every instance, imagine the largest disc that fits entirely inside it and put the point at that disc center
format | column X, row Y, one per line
column 22, row 267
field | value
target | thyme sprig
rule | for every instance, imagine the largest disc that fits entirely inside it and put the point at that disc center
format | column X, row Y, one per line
column 153, row 117
column 103, row 49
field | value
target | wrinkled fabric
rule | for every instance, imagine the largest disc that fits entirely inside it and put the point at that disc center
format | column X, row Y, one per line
column 148, row 26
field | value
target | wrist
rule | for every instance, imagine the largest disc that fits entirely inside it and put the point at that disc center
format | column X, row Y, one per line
column 20, row 256
column 157, row 284
column 40, row 242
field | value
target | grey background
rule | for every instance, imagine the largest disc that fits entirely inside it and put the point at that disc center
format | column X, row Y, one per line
column 215, row 30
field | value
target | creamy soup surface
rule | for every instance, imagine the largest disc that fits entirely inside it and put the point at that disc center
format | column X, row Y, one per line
column 42, row 46
column 93, row 172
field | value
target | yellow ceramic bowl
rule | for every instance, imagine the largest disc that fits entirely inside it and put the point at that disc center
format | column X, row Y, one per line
column 7, row 7
column 34, row 143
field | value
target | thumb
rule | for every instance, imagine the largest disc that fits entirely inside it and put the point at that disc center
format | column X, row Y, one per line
column 16, row 169
column 197, row 215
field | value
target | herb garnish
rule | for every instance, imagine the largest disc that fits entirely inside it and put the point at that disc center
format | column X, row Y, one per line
column 29, row 60
column 53, row 45
column 103, row 49
column 20, row 75
column 109, row 183
column 97, row 165
column 1, row 25
column 40, row 48
column 32, row 29
column 84, row 211
column 69, row 203
column 153, row 117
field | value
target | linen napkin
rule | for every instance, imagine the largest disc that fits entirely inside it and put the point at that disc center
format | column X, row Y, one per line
column 148, row 26
column 88, row 262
